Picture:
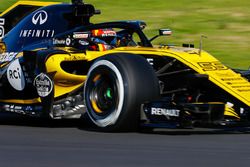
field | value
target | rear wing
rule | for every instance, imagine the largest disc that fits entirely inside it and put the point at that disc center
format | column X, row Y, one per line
column 11, row 16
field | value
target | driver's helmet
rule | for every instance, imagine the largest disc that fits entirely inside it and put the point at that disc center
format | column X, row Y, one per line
column 104, row 39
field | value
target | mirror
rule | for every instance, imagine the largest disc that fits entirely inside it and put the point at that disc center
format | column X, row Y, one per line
column 165, row 32
column 162, row 32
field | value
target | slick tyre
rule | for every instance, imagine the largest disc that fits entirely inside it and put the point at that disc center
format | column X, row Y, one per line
column 116, row 86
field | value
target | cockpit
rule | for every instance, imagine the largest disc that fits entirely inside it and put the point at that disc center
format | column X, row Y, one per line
column 103, row 36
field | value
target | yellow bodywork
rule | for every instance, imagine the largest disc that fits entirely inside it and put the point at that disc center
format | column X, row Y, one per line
column 202, row 63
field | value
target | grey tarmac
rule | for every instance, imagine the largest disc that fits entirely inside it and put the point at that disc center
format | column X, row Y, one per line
column 31, row 143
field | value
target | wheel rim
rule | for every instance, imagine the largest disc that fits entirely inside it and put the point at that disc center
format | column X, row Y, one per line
column 104, row 93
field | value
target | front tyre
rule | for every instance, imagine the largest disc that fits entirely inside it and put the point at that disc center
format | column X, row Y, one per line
column 116, row 87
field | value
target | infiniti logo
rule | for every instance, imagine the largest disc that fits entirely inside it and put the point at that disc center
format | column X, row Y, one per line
column 40, row 17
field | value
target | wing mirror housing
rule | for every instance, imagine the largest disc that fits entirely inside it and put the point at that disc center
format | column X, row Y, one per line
column 165, row 32
column 162, row 32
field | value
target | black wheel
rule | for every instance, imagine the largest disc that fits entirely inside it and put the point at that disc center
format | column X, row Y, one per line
column 116, row 87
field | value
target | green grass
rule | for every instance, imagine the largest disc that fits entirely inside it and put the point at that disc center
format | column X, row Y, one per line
column 225, row 23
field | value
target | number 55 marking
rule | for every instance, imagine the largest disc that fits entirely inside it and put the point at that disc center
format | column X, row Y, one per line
column 1, row 28
column 212, row 66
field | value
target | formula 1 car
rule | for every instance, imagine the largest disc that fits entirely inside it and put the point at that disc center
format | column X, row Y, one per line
column 55, row 63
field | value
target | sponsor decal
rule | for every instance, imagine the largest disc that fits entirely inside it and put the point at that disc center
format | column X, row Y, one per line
column 224, row 74
column 166, row 112
column 64, row 42
column 83, row 42
column 7, row 56
column 150, row 61
column 14, row 108
column 68, row 41
column 43, row 84
column 109, row 33
column 59, row 41
column 80, row 35
column 104, row 33
column 40, row 17
column 2, row 21
column 30, row 110
column 37, row 33
column 15, row 75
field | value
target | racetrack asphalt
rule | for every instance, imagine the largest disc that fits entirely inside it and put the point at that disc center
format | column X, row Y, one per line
column 29, row 143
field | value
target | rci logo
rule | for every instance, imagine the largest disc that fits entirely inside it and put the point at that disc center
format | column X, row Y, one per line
column 40, row 17
column 1, row 28
column 15, row 75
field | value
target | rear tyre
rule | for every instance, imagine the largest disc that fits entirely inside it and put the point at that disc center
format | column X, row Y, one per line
column 116, row 87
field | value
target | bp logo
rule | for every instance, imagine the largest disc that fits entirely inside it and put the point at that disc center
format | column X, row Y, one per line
column 43, row 85
column 40, row 17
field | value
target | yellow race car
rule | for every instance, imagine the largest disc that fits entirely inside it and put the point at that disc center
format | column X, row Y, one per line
column 56, row 63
